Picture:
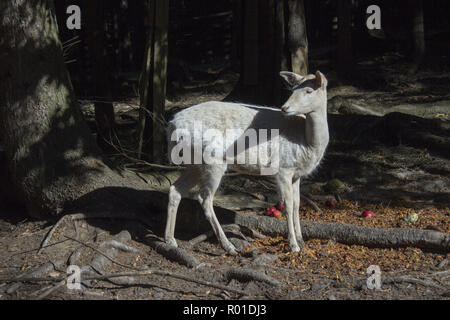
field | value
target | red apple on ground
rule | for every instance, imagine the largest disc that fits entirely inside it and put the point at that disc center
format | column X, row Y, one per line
column 270, row 210
column 367, row 214
column 331, row 203
column 276, row 214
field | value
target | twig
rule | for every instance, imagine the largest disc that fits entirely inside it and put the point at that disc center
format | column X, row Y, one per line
column 443, row 263
column 400, row 279
column 124, row 152
column 51, row 290
column 312, row 203
column 34, row 274
column 441, row 273
column 80, row 216
column 143, row 272
column 103, row 254
column 36, row 249
column 49, row 235
column 205, row 236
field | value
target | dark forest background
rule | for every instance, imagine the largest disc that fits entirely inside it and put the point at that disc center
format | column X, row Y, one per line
column 241, row 42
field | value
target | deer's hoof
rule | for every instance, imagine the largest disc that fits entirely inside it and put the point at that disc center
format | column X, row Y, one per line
column 231, row 250
column 172, row 242
column 301, row 243
column 294, row 247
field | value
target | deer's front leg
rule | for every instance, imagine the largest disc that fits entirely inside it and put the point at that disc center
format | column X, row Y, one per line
column 285, row 186
column 296, row 212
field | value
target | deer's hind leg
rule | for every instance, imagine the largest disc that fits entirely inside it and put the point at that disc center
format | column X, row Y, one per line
column 210, row 181
column 185, row 183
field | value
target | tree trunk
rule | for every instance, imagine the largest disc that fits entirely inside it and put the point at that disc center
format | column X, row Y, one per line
column 249, row 74
column 51, row 155
column 280, row 59
column 160, row 80
column 274, row 39
column 145, row 82
column 236, row 45
column 344, row 47
column 267, row 70
column 104, row 111
column 153, row 84
column 297, row 40
column 418, row 34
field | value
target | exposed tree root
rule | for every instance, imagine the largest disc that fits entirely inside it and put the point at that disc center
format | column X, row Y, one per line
column 44, row 269
column 245, row 275
column 100, row 260
column 403, row 279
column 49, row 291
column 108, row 250
column 80, row 216
column 147, row 272
column 339, row 232
column 172, row 253
column 178, row 255
column 351, row 234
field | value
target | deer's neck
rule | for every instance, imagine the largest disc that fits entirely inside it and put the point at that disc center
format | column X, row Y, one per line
column 316, row 130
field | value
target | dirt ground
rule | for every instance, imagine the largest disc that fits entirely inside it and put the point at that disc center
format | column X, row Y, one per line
column 392, row 181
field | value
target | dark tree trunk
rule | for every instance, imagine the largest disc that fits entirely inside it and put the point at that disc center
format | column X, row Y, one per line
column 160, row 81
column 104, row 111
column 51, row 156
column 236, row 45
column 418, row 31
column 344, row 46
column 274, row 39
column 280, row 59
column 297, row 40
column 145, row 81
column 267, row 70
column 153, row 82
column 250, row 65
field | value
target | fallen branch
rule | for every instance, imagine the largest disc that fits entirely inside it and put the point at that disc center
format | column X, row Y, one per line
column 245, row 275
column 352, row 234
column 339, row 232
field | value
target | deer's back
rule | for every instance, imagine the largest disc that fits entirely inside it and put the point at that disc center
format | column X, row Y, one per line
column 223, row 116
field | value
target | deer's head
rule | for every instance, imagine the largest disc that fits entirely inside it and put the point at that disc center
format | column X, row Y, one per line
column 309, row 93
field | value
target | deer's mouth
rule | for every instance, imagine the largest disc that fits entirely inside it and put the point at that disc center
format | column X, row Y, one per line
column 288, row 113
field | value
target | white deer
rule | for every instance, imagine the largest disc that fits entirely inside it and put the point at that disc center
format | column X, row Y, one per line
column 303, row 138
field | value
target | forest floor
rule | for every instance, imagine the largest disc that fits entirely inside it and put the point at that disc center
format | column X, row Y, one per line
column 393, row 180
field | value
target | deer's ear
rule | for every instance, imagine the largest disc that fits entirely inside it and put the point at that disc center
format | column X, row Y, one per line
column 321, row 81
column 292, row 79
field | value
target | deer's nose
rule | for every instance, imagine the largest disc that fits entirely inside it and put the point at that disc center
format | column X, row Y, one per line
column 285, row 108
